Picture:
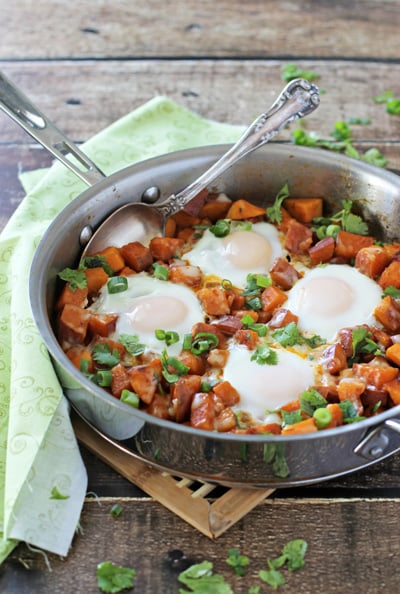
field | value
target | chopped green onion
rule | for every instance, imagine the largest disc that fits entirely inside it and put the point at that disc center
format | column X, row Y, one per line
column 187, row 342
column 130, row 398
column 179, row 367
column 221, row 228
column 104, row 378
column 205, row 386
column 263, row 281
column 254, row 303
column 169, row 336
column 161, row 272
column 322, row 417
column 116, row 510
column 226, row 284
column 117, row 284
column 203, row 342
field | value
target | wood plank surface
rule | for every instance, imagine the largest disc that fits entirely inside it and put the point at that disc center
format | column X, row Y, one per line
column 348, row 548
column 255, row 28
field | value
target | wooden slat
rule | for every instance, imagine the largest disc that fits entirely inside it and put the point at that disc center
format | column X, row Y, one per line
column 352, row 547
column 85, row 97
column 123, row 28
column 210, row 518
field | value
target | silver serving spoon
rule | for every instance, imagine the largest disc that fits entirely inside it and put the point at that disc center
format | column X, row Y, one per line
column 138, row 221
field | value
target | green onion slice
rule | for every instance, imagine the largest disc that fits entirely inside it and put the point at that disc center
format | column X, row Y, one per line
column 117, row 284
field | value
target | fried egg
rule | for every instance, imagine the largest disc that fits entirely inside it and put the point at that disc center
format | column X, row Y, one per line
column 239, row 253
column 265, row 388
column 150, row 304
column 332, row 297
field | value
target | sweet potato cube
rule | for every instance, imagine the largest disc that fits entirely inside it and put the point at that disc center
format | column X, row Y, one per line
column 304, row 209
column 113, row 258
column 387, row 312
column 393, row 353
column 73, row 324
column 349, row 244
column 226, row 393
column 390, row 275
column 68, row 296
column 371, row 260
column 272, row 297
column 96, row 278
column 120, row 380
column 165, row 248
column 137, row 256
column 182, row 394
column 202, row 412
column 242, row 209
column 144, row 381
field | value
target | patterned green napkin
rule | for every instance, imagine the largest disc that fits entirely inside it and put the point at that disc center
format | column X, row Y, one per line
column 42, row 478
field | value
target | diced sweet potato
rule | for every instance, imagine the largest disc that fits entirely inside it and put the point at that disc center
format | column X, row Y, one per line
column 387, row 312
column 68, row 296
column 182, row 394
column 120, row 380
column 96, row 278
column 390, row 275
column 159, row 407
column 165, row 248
column 371, row 260
column 337, row 415
column 377, row 372
column 73, row 324
column 225, row 420
column 170, row 228
column 282, row 317
column 304, row 209
column 214, row 301
column 102, row 324
column 248, row 338
column 393, row 388
column 77, row 355
column 202, row 413
column 242, row 209
column 322, row 251
column 349, row 244
column 113, row 258
column 188, row 275
column 217, row 358
column 393, row 353
column 226, row 393
column 195, row 363
column 272, row 297
column 216, row 207
column 184, row 219
column 306, row 426
column 144, row 381
column 137, row 256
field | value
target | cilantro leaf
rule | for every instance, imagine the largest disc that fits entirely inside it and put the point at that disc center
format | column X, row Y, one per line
column 292, row 71
column 375, row 157
column 384, row 97
column 393, row 106
column 392, row 291
column 103, row 355
column 291, row 417
column 75, row 278
column 113, row 578
column 264, row 355
column 288, row 335
column 354, row 224
column 311, row 400
column 362, row 343
column 272, row 577
column 132, row 344
column 200, row 579
column 97, row 261
column 295, row 551
column 237, row 561
column 274, row 212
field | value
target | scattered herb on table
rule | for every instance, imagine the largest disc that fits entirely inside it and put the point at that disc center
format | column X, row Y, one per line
column 113, row 578
column 392, row 103
column 292, row 556
column 200, row 579
column 237, row 561
column 292, row 71
column 116, row 510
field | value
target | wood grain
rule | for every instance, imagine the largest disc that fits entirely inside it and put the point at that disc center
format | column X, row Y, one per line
column 351, row 547
column 130, row 29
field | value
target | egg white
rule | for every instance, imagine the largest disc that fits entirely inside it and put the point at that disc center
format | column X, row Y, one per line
column 265, row 388
column 332, row 297
column 150, row 304
column 235, row 256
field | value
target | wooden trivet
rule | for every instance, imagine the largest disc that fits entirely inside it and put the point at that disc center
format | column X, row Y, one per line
column 211, row 518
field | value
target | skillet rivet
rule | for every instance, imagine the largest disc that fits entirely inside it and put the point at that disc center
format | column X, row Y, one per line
column 151, row 195
column 376, row 451
column 85, row 235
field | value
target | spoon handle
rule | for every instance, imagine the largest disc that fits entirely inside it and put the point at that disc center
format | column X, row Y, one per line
column 16, row 105
column 298, row 99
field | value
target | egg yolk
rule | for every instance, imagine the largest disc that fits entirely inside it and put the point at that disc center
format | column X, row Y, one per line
column 246, row 250
column 158, row 311
column 326, row 296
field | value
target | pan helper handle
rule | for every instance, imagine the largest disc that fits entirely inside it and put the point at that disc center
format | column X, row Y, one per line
column 17, row 106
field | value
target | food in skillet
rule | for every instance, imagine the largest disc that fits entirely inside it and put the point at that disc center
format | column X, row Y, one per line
column 243, row 319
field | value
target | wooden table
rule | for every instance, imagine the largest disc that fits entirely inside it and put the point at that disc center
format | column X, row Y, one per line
column 87, row 64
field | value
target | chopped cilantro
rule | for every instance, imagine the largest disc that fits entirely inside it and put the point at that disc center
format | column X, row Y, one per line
column 362, row 343
column 290, row 335
column 55, row 494
column 292, row 555
column 374, row 157
column 167, row 363
column 384, row 97
column 274, row 212
column 291, row 417
column 132, row 344
column 392, row 292
column 272, row 577
column 359, row 121
column 292, row 71
column 349, row 412
column 347, row 220
column 97, row 261
column 310, row 400
column 264, row 355
column 113, row 578
column 237, row 561
column 103, row 355
column 393, row 106
column 200, row 579
column 75, row 278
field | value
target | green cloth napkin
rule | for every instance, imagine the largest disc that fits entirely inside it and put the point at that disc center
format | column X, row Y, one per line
column 42, row 478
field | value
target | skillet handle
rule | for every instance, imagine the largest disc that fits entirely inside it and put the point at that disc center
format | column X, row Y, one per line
column 381, row 441
column 16, row 105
